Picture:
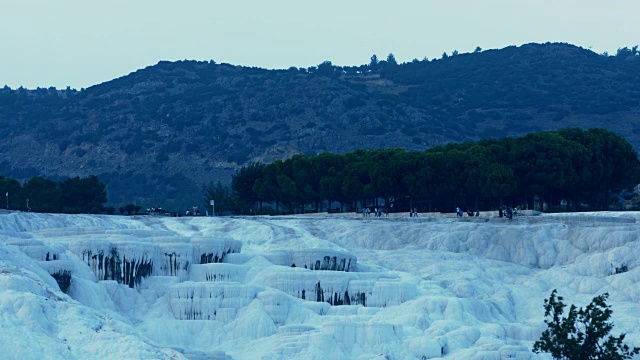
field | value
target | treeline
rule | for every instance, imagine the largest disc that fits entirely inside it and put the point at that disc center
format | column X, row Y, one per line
column 73, row 196
column 390, row 65
column 587, row 169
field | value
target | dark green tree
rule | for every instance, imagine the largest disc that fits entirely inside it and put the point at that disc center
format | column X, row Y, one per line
column 585, row 167
column 583, row 334
column 425, row 182
column 266, row 186
column 83, row 195
column 15, row 199
column 44, row 195
column 326, row 68
column 391, row 59
column 329, row 170
column 243, row 182
column 355, row 183
column 305, row 175
column 623, row 53
column 385, row 172
column 542, row 164
column 606, row 165
column 477, row 49
column 374, row 62
column 222, row 197
column 497, row 181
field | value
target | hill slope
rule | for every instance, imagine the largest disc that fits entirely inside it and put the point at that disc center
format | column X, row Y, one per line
column 156, row 135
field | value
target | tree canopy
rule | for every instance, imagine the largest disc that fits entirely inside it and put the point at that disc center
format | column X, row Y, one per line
column 585, row 168
column 73, row 195
column 582, row 334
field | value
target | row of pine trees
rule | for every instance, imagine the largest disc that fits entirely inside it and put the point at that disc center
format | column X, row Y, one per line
column 586, row 168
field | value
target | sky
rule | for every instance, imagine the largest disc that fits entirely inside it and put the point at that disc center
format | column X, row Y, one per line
column 80, row 43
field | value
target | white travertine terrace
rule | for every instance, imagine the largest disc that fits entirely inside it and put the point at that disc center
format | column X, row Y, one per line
column 304, row 287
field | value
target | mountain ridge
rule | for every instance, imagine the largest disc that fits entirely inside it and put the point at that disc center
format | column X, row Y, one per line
column 158, row 135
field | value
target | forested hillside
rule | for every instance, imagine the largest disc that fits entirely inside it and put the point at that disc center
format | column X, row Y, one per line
column 157, row 135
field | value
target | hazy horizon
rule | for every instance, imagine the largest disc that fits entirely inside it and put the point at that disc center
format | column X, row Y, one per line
column 83, row 44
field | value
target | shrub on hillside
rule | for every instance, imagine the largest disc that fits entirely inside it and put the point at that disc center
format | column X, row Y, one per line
column 583, row 333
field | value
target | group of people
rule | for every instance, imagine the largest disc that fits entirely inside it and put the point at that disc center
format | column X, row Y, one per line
column 504, row 211
column 460, row 213
column 378, row 212
column 194, row 211
column 507, row 212
column 155, row 210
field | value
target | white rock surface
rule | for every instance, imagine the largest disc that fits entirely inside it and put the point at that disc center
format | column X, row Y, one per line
column 225, row 288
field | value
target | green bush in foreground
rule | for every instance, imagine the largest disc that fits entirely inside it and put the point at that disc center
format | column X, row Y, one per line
column 583, row 334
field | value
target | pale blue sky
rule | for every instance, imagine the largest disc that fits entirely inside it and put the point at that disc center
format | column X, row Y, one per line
column 84, row 42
